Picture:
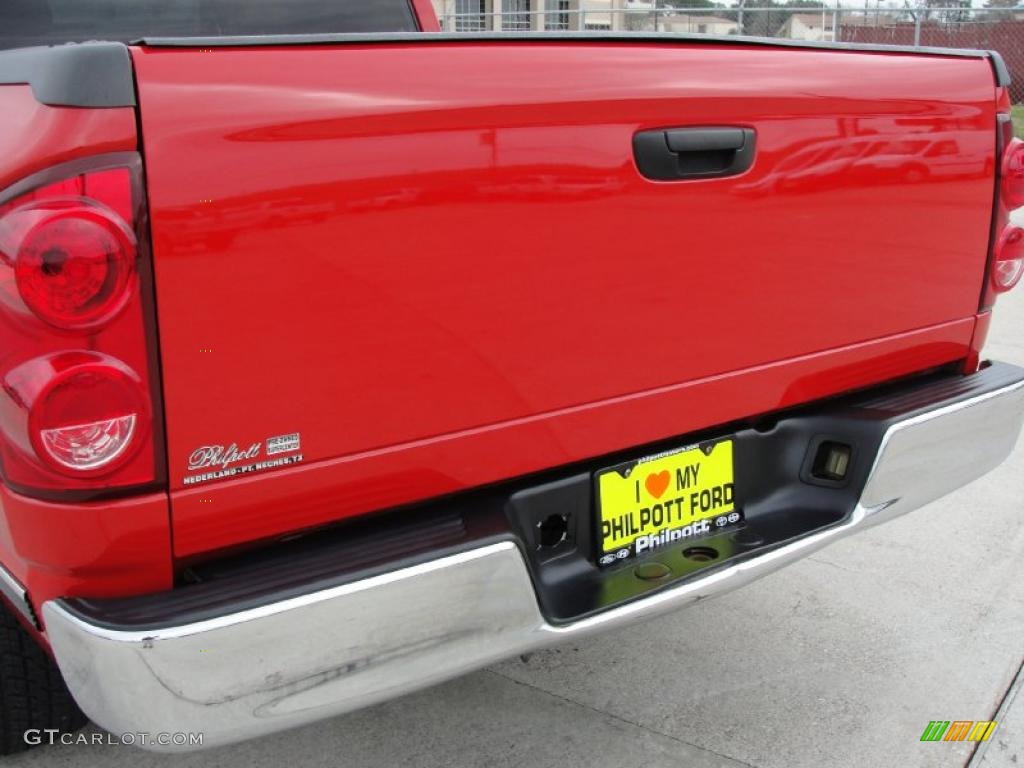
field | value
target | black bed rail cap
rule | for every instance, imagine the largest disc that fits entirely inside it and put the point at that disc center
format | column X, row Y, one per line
column 1003, row 77
column 96, row 75
column 357, row 38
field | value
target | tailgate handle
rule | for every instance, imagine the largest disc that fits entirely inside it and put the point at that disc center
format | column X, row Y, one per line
column 694, row 153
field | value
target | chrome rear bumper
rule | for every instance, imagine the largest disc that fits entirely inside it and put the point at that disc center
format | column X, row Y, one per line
column 251, row 672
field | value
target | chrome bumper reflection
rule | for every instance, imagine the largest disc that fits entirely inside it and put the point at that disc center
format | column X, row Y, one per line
column 296, row 661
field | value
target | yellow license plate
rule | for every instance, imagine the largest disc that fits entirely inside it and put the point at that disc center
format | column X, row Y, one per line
column 648, row 504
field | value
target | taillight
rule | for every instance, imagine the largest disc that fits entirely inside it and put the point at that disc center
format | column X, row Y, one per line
column 1013, row 175
column 79, row 413
column 1005, row 264
column 1008, row 264
column 73, row 263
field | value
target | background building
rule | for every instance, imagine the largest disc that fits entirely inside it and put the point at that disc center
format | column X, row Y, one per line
column 525, row 15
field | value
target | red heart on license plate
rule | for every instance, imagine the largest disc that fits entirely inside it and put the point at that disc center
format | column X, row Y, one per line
column 656, row 483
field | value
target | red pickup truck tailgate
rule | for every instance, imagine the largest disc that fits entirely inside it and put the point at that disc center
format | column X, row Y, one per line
column 388, row 271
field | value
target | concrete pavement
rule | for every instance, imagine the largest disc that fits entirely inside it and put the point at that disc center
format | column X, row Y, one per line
column 840, row 660
column 1005, row 749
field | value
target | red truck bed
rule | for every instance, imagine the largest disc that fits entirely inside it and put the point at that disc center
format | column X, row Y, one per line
column 367, row 360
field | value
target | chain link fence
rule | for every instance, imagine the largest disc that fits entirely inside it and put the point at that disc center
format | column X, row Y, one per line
column 1000, row 29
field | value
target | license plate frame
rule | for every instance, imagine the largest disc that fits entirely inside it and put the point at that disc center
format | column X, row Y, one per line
column 656, row 501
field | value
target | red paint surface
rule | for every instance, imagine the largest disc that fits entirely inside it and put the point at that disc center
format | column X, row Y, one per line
column 261, row 506
column 438, row 263
column 112, row 548
column 34, row 137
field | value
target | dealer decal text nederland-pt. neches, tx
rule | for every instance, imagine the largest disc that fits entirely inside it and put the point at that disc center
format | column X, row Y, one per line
column 215, row 462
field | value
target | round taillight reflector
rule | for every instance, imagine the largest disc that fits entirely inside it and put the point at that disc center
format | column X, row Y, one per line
column 1013, row 175
column 74, row 267
column 89, row 419
column 1008, row 266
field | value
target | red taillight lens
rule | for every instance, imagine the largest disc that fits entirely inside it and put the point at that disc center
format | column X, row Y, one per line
column 82, row 413
column 1013, row 175
column 73, row 264
column 90, row 418
column 1001, row 271
column 79, row 409
column 1008, row 265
